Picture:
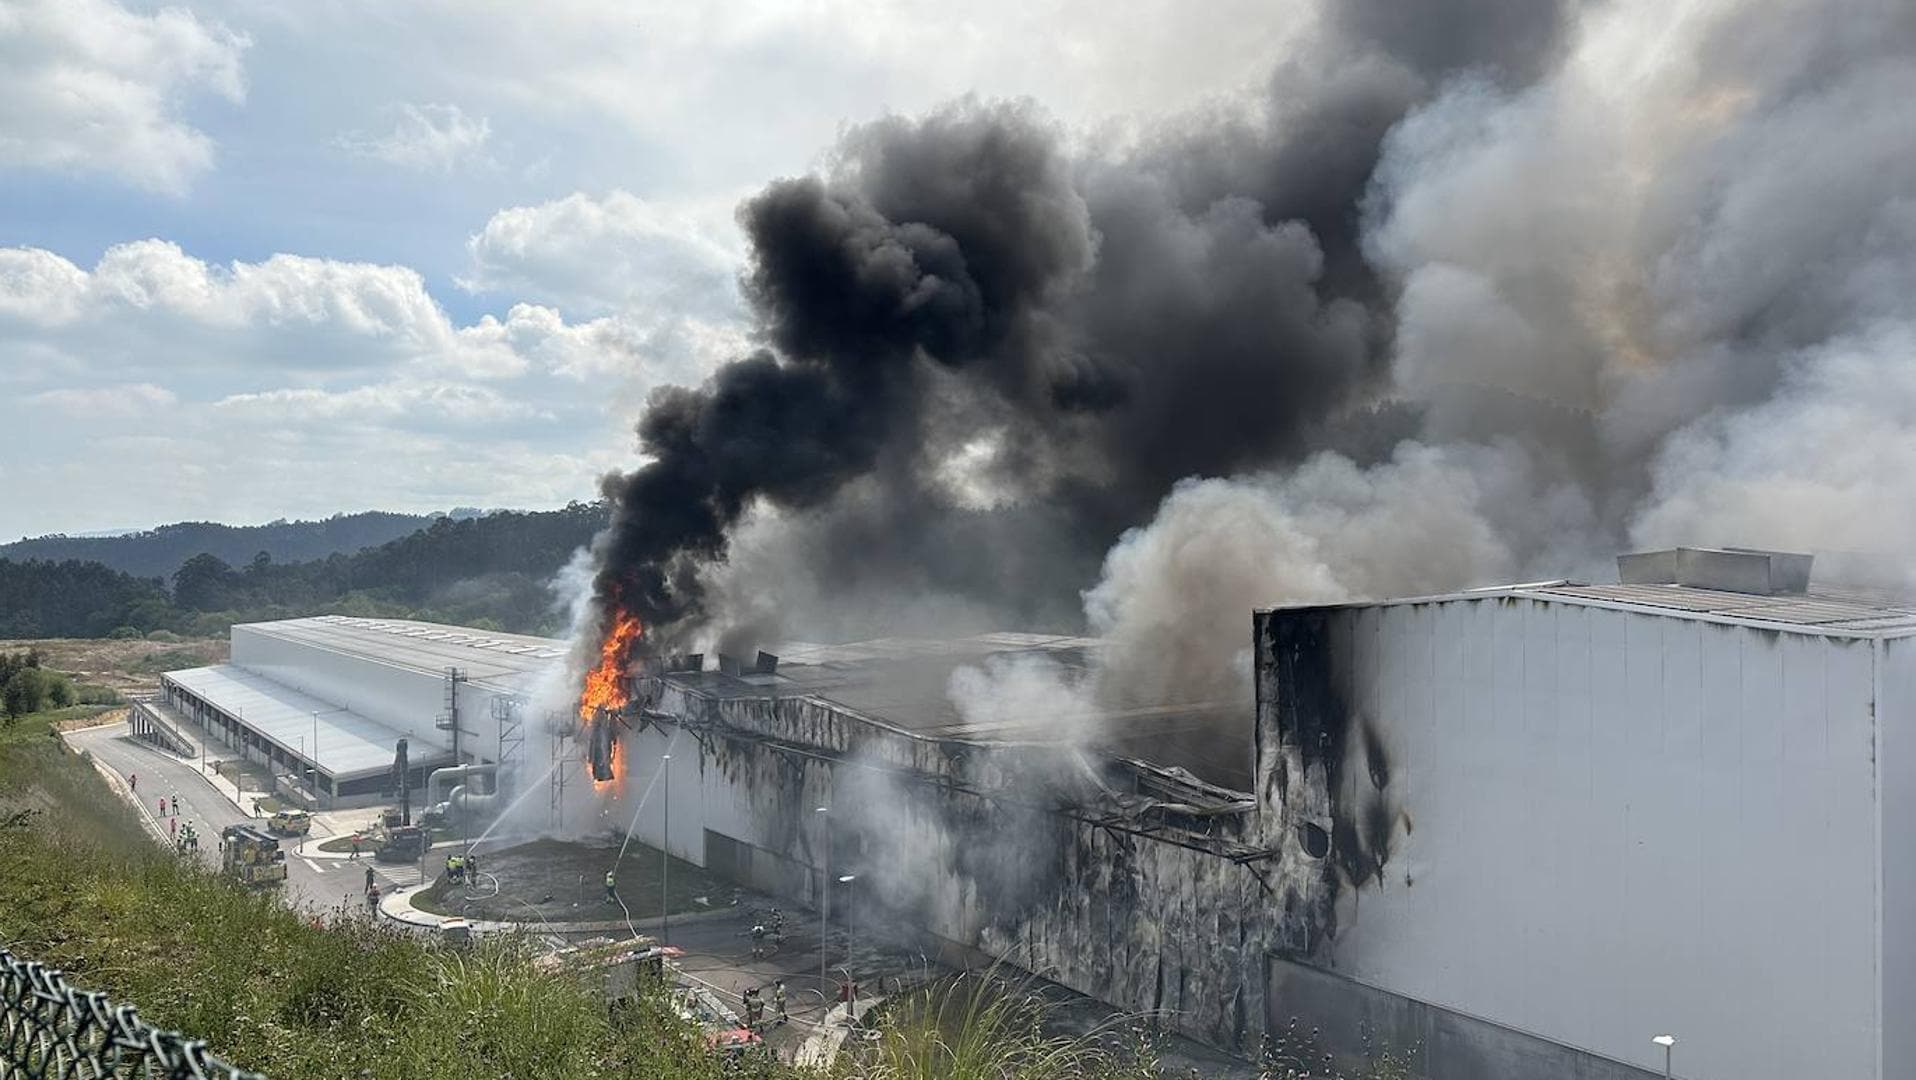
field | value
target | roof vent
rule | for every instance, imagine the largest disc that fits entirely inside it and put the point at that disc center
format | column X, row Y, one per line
column 1738, row 570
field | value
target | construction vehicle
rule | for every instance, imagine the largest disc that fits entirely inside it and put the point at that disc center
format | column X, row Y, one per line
column 407, row 843
column 251, row 856
column 290, row 823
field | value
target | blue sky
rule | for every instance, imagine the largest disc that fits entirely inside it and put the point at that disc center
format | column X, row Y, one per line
column 285, row 260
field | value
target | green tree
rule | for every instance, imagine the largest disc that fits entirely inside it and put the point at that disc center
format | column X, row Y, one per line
column 25, row 692
column 204, row 583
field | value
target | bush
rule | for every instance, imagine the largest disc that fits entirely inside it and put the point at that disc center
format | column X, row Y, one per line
column 88, row 694
column 166, row 637
column 124, row 633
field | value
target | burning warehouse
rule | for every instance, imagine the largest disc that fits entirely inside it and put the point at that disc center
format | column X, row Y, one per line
column 1522, row 828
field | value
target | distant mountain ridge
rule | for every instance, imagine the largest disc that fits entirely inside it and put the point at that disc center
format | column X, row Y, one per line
column 160, row 551
column 491, row 571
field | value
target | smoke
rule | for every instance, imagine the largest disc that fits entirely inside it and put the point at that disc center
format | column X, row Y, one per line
column 1474, row 290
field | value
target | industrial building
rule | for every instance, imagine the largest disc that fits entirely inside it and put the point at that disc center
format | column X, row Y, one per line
column 325, row 700
column 1521, row 829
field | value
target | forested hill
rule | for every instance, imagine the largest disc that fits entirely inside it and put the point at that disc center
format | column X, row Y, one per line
column 490, row 571
column 159, row 552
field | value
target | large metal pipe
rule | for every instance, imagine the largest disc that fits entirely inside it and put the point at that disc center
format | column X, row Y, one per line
column 459, row 798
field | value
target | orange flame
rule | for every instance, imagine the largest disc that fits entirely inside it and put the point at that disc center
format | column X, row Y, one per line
column 605, row 685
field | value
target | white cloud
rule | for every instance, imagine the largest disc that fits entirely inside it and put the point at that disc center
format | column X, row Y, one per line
column 427, row 138
column 122, row 401
column 419, row 404
column 94, row 87
column 296, row 385
column 150, row 304
column 617, row 251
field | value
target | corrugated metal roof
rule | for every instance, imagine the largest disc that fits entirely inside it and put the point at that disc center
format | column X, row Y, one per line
column 350, row 745
column 507, row 659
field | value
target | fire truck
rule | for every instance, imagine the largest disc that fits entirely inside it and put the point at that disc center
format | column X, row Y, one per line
column 251, row 856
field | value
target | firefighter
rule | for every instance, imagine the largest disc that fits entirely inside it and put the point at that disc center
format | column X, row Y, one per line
column 754, row 1008
column 369, row 880
column 176, row 806
column 611, row 888
column 372, row 898
column 778, row 999
column 134, row 779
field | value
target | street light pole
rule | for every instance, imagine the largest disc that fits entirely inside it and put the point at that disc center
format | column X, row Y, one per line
column 851, row 910
column 315, row 759
column 824, row 894
column 665, row 856
column 1665, row 1041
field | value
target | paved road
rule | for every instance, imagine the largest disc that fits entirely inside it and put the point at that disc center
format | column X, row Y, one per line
column 310, row 883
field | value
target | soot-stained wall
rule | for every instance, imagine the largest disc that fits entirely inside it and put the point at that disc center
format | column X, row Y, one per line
column 1591, row 824
column 984, row 846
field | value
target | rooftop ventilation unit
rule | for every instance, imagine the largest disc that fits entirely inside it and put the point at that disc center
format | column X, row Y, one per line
column 767, row 663
column 730, row 665
column 1738, row 570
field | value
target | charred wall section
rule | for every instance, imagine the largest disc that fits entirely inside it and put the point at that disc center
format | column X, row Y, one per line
column 1150, row 906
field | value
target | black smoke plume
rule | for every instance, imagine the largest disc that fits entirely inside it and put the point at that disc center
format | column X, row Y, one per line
column 1079, row 332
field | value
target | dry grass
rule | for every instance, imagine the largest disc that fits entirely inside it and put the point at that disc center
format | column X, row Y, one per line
column 125, row 666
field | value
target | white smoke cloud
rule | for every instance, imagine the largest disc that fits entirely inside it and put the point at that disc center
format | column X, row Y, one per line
column 1661, row 296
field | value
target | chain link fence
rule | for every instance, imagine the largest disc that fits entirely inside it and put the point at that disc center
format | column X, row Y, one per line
column 49, row 1029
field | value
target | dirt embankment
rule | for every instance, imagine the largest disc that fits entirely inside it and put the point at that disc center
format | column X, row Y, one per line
column 130, row 667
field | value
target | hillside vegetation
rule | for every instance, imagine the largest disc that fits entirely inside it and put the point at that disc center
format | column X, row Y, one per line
column 491, row 572
column 84, row 890
column 157, row 553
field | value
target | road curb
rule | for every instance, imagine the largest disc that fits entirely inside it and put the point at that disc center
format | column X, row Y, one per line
column 397, row 906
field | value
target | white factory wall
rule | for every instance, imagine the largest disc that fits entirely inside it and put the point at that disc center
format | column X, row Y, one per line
column 403, row 699
column 1612, row 824
column 1896, row 764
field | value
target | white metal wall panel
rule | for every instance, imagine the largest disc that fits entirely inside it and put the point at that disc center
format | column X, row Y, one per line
column 1896, row 756
column 1615, row 824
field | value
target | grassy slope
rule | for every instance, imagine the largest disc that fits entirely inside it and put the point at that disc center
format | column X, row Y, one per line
column 80, row 888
